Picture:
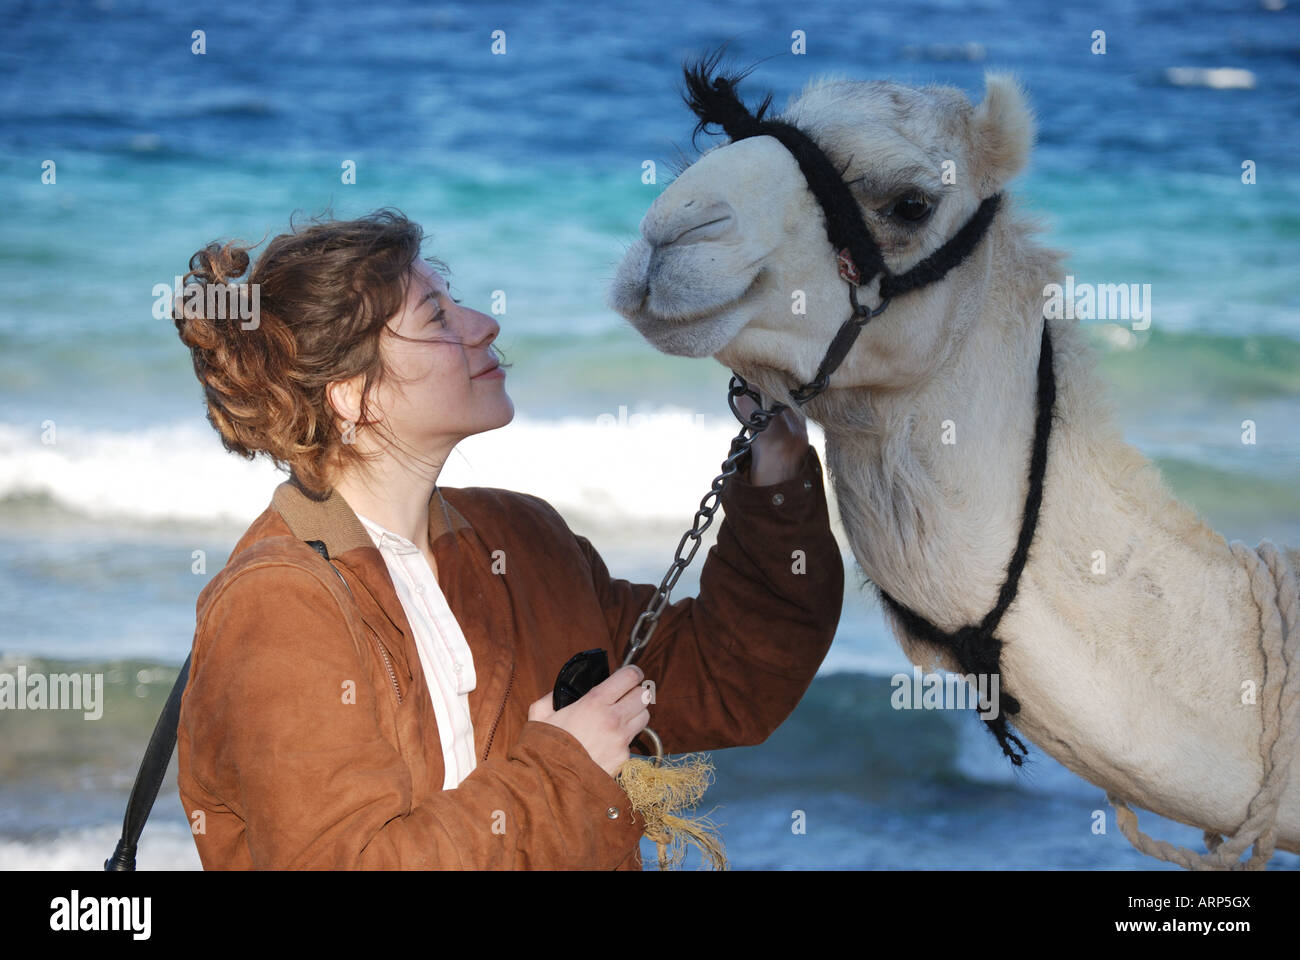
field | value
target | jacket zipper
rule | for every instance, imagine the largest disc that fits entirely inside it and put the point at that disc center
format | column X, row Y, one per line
column 392, row 674
column 500, row 714
column 383, row 651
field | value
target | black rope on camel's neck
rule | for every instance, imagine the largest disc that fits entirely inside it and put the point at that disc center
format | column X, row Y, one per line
column 976, row 646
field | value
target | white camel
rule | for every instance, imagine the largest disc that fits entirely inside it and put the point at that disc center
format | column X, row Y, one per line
column 1137, row 677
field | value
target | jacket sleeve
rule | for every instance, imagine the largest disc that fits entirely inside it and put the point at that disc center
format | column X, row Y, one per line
column 730, row 665
column 316, row 782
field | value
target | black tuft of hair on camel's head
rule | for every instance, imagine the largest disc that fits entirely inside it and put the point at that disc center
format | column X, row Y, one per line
column 714, row 99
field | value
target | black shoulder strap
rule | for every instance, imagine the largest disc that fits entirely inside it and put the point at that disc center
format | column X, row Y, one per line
column 156, row 758
column 147, row 782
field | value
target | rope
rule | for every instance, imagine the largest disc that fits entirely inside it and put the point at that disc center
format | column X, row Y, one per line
column 976, row 646
column 1273, row 586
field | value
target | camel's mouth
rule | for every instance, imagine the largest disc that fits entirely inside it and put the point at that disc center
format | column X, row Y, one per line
column 673, row 320
column 680, row 317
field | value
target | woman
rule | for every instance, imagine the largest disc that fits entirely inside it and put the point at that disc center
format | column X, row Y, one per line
column 371, row 677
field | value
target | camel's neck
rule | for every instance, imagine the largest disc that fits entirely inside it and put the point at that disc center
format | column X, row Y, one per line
column 1133, row 630
column 931, row 479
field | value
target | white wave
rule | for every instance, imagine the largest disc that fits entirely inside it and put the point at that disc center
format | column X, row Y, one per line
column 620, row 468
column 1216, row 78
column 163, row 846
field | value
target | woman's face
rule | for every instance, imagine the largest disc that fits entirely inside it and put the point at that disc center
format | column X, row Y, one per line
column 439, row 385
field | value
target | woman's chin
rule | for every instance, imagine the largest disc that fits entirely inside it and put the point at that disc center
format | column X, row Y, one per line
column 507, row 413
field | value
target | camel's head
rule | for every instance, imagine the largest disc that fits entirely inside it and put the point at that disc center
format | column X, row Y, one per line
column 734, row 261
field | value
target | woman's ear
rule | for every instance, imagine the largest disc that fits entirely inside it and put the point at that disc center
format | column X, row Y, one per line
column 344, row 397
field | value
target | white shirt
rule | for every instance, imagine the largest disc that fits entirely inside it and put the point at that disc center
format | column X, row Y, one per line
column 444, row 653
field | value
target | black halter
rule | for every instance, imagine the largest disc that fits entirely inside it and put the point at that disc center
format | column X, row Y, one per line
column 714, row 101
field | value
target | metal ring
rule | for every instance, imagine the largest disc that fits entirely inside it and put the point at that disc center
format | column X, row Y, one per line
column 658, row 745
column 860, row 311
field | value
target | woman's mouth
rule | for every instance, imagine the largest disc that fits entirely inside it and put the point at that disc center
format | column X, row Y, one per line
column 490, row 373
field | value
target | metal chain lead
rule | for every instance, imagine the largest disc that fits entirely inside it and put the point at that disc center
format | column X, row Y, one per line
column 757, row 421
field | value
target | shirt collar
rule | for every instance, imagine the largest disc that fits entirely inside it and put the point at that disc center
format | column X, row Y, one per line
column 385, row 539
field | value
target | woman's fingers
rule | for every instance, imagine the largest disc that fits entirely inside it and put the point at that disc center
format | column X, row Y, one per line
column 632, row 712
column 638, row 722
column 626, row 699
column 618, row 683
column 606, row 719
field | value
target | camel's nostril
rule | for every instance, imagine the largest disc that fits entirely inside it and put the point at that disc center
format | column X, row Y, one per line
column 691, row 223
column 710, row 230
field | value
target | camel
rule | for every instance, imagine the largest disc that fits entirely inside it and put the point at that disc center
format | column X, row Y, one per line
column 1135, row 641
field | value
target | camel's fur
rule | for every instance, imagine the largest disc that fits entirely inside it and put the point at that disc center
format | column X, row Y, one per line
column 1133, row 679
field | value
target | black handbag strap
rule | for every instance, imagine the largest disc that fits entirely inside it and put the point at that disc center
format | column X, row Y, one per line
column 148, row 781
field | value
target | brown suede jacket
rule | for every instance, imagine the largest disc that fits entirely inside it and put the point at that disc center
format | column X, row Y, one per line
column 307, row 736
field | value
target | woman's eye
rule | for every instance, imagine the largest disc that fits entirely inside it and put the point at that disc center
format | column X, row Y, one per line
column 910, row 208
column 441, row 315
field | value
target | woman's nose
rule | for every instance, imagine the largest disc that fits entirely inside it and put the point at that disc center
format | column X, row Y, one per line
column 484, row 327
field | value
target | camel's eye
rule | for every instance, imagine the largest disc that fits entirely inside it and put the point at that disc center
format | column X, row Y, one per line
column 912, row 207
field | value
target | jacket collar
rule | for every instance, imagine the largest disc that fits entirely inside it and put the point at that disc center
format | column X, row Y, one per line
column 333, row 522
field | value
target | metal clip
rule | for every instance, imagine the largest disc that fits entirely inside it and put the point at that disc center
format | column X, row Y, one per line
column 848, row 269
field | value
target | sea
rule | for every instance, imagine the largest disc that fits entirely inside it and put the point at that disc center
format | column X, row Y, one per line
column 1168, row 154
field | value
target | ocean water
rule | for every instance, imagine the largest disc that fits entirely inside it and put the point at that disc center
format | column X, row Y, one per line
column 525, row 171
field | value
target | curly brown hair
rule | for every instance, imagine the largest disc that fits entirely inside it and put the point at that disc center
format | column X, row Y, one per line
column 324, row 294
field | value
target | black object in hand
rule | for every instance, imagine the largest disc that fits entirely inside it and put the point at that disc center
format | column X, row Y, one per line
column 582, row 672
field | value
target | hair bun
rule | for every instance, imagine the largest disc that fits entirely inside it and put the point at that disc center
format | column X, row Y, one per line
column 219, row 263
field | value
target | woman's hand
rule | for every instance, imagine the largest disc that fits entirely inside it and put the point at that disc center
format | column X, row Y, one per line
column 605, row 719
column 779, row 450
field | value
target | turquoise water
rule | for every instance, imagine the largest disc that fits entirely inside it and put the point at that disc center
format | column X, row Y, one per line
column 526, row 174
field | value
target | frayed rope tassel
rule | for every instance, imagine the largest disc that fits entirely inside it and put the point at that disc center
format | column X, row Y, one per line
column 660, row 793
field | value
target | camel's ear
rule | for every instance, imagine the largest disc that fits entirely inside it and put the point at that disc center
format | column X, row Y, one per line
column 1002, row 132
